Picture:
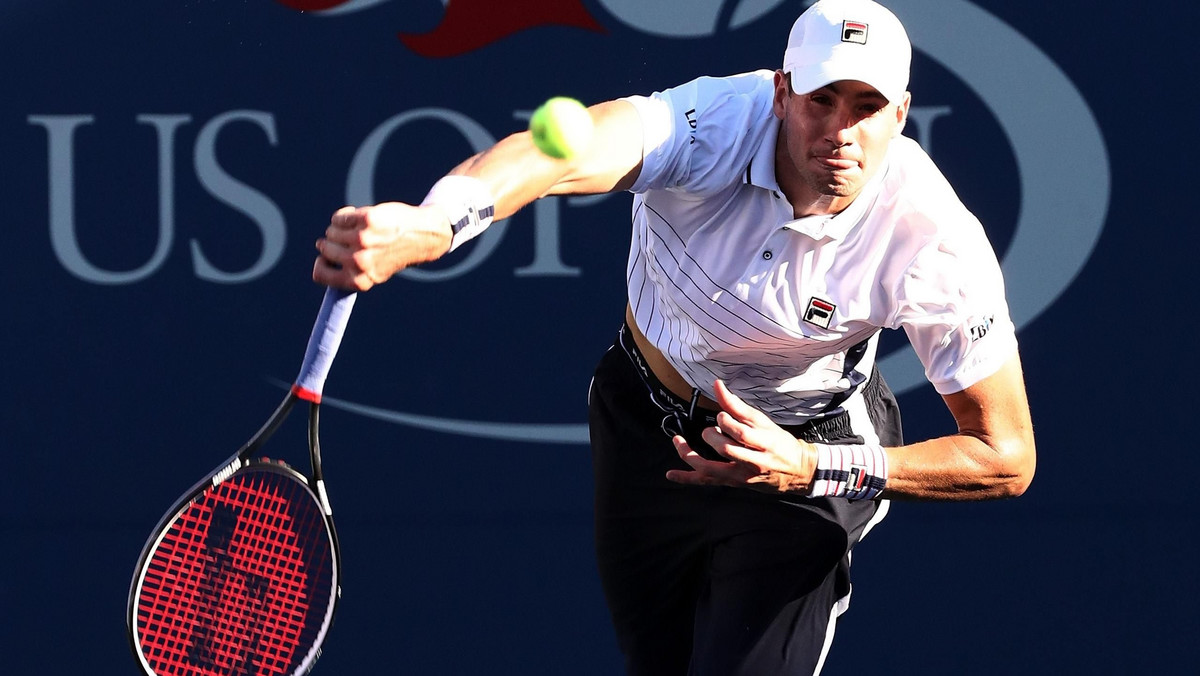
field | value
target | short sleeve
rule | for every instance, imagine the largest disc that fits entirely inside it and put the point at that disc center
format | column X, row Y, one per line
column 952, row 306
column 700, row 136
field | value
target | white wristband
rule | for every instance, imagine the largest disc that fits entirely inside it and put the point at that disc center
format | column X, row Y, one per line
column 852, row 471
column 468, row 203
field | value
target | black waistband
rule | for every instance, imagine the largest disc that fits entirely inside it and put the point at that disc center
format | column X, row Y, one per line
column 829, row 427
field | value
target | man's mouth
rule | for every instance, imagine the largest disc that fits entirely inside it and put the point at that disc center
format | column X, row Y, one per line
column 836, row 163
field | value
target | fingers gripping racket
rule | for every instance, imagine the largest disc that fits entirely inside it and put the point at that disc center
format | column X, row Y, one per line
column 241, row 576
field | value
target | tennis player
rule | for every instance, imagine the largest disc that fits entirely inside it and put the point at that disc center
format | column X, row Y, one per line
column 743, row 438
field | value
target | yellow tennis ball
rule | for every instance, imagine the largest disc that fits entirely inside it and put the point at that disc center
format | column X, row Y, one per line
column 561, row 127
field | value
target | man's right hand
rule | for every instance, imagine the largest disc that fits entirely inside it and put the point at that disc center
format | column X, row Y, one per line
column 365, row 246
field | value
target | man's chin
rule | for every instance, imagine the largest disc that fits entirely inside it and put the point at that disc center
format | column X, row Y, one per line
column 836, row 183
column 840, row 189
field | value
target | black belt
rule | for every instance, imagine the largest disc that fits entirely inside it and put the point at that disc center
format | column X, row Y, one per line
column 683, row 415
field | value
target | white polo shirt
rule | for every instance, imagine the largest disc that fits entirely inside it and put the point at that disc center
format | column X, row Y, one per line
column 727, row 284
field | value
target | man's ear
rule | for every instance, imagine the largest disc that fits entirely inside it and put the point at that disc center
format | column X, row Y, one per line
column 783, row 89
column 902, row 113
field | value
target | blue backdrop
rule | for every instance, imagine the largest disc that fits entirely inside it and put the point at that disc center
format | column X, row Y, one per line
column 166, row 167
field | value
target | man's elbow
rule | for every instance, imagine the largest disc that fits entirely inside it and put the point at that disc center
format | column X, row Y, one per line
column 1018, row 461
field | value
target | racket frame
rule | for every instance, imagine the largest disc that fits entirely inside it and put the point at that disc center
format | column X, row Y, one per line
column 322, row 347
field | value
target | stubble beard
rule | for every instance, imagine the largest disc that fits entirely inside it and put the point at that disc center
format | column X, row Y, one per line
column 827, row 185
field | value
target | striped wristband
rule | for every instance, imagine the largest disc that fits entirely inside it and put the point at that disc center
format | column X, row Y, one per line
column 851, row 471
column 468, row 203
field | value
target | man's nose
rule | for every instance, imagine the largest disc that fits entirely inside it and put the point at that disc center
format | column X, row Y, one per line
column 841, row 127
column 842, row 134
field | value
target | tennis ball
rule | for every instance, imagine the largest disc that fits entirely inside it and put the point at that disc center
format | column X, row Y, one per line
column 561, row 127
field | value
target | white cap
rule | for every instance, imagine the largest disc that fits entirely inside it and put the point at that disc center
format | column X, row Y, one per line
column 848, row 40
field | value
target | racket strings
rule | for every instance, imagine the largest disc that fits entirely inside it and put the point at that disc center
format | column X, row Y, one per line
column 231, row 589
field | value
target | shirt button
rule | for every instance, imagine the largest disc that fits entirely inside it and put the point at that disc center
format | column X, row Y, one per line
column 767, row 255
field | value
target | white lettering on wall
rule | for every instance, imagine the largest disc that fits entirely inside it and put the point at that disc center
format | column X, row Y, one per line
column 60, row 130
column 227, row 189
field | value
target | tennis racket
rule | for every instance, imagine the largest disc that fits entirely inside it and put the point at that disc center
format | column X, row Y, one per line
column 241, row 576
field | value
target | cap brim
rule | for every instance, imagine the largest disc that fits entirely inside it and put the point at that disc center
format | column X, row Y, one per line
column 811, row 78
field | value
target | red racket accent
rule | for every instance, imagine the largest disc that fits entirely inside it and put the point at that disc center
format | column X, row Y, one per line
column 306, row 394
column 230, row 590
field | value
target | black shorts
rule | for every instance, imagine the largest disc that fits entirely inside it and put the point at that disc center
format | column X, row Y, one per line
column 714, row 580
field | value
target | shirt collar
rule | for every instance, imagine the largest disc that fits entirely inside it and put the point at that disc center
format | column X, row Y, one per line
column 761, row 170
column 761, row 173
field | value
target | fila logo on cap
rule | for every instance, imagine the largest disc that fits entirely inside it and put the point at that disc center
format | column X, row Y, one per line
column 819, row 312
column 854, row 31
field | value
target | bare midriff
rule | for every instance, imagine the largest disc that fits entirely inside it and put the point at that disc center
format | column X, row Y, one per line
column 666, row 374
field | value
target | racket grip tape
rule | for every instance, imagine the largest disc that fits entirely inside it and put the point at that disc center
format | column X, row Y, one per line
column 323, row 343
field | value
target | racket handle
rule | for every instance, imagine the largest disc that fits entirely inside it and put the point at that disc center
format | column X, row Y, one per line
column 323, row 343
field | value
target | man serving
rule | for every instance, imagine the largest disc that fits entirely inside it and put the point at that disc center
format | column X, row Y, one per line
column 743, row 438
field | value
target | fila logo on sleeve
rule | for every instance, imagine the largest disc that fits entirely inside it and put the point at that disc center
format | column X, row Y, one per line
column 854, row 31
column 819, row 312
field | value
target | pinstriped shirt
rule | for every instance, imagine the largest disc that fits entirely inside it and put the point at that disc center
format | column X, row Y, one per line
column 728, row 284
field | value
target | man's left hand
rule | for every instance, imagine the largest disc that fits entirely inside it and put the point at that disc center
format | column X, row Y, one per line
column 761, row 455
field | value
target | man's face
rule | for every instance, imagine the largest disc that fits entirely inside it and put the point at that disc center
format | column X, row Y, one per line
column 832, row 141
